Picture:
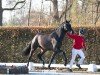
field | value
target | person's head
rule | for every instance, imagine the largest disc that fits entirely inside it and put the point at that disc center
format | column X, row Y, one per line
column 81, row 31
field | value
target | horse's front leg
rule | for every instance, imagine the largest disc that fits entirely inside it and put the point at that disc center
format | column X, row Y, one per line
column 64, row 58
column 53, row 56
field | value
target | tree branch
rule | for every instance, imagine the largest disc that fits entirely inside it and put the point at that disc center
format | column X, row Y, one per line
column 66, row 9
column 14, row 7
column 97, row 12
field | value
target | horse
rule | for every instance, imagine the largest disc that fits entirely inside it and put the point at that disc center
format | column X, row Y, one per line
column 45, row 42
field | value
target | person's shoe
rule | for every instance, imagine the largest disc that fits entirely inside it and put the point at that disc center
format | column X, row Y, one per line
column 78, row 65
column 70, row 70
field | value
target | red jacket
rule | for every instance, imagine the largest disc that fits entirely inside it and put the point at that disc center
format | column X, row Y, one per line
column 78, row 42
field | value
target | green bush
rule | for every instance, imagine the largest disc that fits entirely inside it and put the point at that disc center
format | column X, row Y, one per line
column 14, row 39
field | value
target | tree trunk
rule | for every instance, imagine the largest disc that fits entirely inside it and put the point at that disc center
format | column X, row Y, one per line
column 55, row 10
column 1, row 12
column 13, row 8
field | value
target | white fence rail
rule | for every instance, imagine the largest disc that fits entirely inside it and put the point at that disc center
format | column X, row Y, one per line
column 90, row 67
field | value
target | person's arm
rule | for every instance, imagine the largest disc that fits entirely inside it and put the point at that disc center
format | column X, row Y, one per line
column 71, row 35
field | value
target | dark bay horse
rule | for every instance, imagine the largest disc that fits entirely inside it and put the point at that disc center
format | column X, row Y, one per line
column 47, row 42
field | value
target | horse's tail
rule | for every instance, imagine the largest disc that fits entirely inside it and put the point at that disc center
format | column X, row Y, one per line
column 27, row 49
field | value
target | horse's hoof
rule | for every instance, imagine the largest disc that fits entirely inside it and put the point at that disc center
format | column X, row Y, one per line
column 65, row 63
column 43, row 63
column 49, row 67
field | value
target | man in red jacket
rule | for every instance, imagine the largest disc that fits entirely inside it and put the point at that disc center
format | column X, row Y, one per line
column 78, row 46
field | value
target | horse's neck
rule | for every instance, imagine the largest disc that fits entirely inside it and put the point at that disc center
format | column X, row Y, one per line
column 60, row 34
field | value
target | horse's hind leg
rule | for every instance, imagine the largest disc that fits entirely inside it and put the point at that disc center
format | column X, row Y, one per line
column 29, row 58
column 30, row 55
column 40, row 56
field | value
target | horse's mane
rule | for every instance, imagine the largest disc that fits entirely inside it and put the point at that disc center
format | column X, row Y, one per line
column 58, row 29
column 57, row 32
column 60, row 25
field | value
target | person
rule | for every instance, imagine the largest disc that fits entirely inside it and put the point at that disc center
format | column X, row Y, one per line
column 78, row 46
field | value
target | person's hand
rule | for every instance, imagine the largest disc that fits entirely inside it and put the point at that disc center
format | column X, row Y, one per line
column 71, row 32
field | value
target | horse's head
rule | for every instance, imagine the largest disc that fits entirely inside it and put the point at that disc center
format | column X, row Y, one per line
column 67, row 26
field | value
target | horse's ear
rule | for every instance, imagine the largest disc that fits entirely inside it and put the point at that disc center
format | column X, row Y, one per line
column 68, row 21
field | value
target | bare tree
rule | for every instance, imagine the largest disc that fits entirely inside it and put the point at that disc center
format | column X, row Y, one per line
column 10, row 9
column 56, row 16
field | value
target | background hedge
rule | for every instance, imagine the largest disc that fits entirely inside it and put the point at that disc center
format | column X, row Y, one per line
column 14, row 39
